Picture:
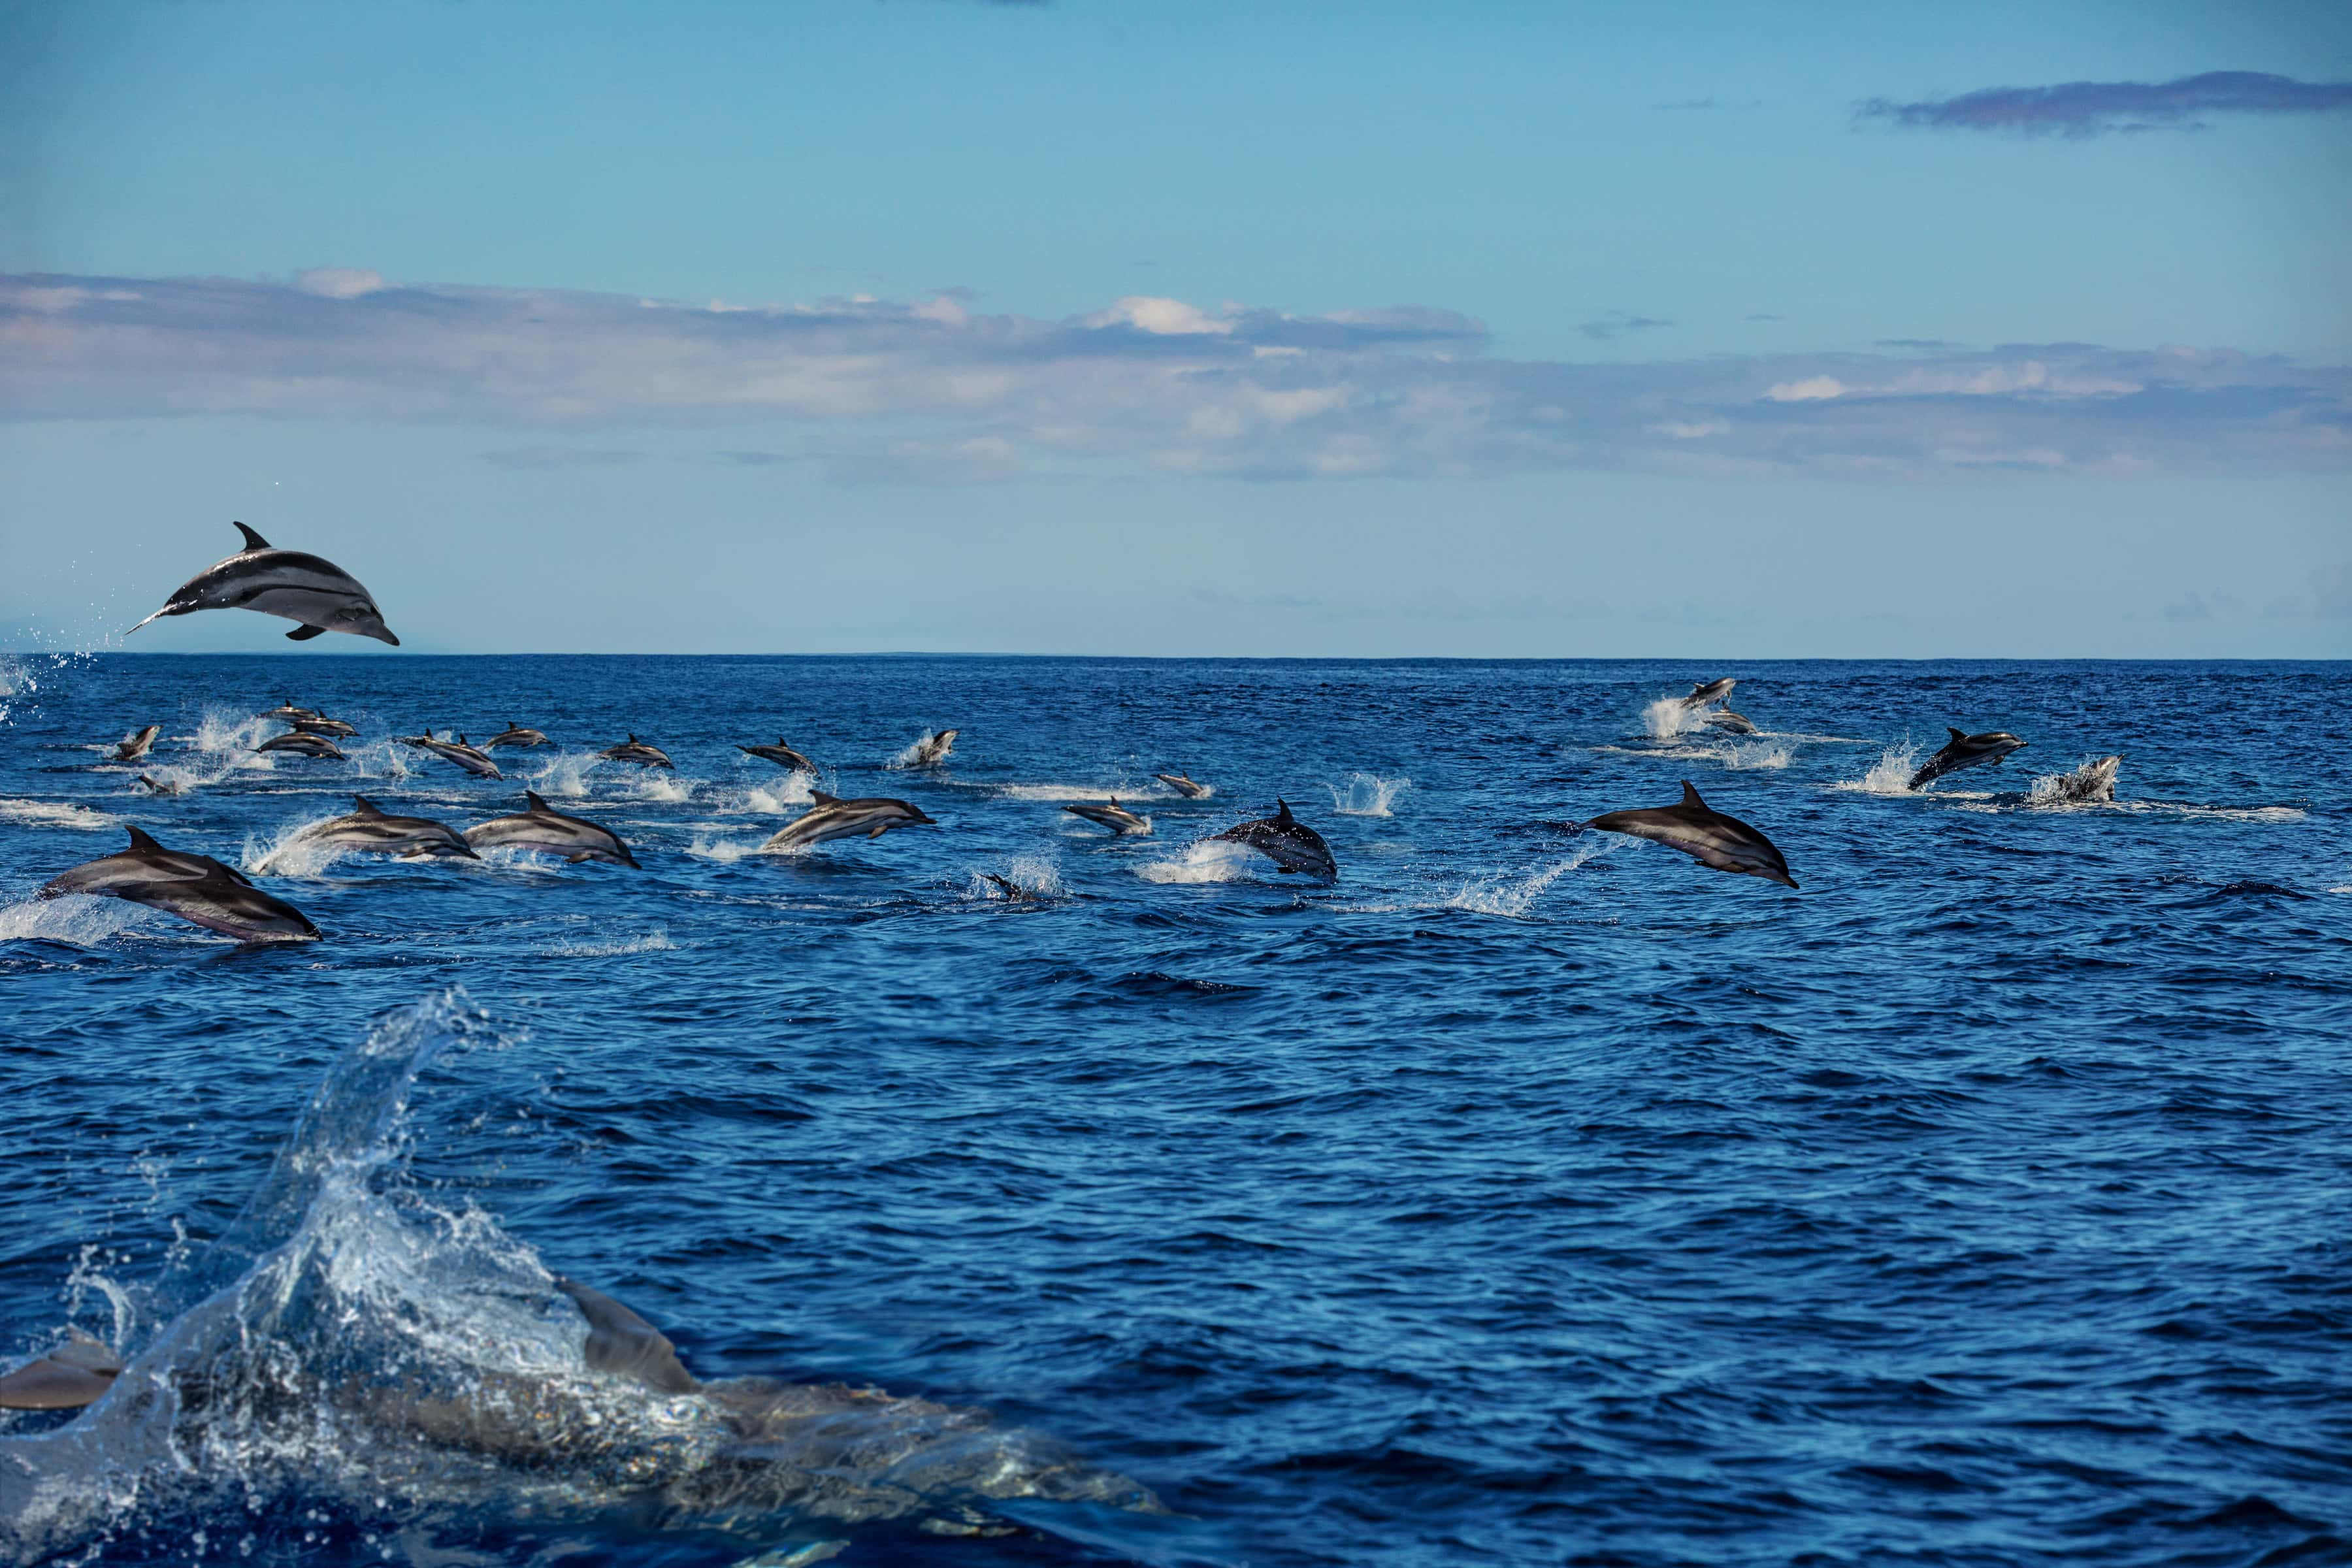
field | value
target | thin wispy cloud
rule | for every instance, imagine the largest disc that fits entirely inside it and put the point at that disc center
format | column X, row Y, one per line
column 2093, row 108
column 1617, row 323
column 929, row 391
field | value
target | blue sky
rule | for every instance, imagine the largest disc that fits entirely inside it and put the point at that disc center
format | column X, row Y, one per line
column 1347, row 329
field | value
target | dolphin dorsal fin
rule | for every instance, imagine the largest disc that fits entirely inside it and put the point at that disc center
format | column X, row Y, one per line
column 1957, row 734
column 1690, row 796
column 818, row 797
column 531, row 798
column 139, row 840
column 368, row 807
column 252, row 540
column 1282, row 812
column 633, row 737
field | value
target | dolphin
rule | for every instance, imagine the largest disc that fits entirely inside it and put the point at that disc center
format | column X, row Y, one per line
column 1709, row 692
column 515, row 734
column 1967, row 752
column 783, row 755
column 1291, row 845
column 551, row 832
column 318, row 593
column 370, row 829
column 320, row 724
column 1724, row 719
column 1183, row 785
column 144, row 861
column 288, row 711
column 306, row 744
column 457, row 751
column 1013, row 892
column 64, row 1377
column 224, row 901
column 635, row 750
column 2092, row 781
column 133, row 746
column 158, row 786
column 1115, row 817
column 832, row 818
column 1705, row 834
column 932, row 748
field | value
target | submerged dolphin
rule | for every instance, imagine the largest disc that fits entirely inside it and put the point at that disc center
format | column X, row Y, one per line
column 635, row 750
column 1183, row 785
column 133, row 746
column 932, row 748
column 515, row 734
column 196, row 887
column 304, row 744
column 370, row 828
column 832, row 818
column 1724, row 719
column 158, row 786
column 1711, row 691
column 2092, row 782
column 1115, row 817
column 320, row 724
column 1967, row 752
column 1705, row 834
column 1291, row 845
column 65, row 1377
column 783, row 755
column 457, row 752
column 551, row 832
column 318, row 593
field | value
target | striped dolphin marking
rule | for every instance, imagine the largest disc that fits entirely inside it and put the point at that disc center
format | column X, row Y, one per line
column 299, row 587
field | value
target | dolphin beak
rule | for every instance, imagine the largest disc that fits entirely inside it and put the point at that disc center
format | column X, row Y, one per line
column 385, row 636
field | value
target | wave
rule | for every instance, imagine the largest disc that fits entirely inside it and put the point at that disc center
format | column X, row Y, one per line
column 356, row 1350
column 655, row 941
column 1367, row 795
column 1210, row 861
column 1067, row 793
column 56, row 813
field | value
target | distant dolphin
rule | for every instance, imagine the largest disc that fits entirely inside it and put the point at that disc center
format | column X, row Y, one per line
column 1291, row 845
column 1734, row 723
column 65, row 1377
column 135, row 745
column 1967, row 752
column 515, row 734
column 158, row 786
column 1115, row 817
column 1711, row 691
column 457, row 752
column 318, row 593
column 832, row 818
column 783, row 755
column 635, row 750
column 932, row 748
column 2092, row 782
column 1705, row 834
column 196, row 887
column 1012, row 889
column 370, row 829
column 1183, row 785
column 144, row 861
column 305, row 743
column 320, row 724
column 551, row 832
column 288, row 711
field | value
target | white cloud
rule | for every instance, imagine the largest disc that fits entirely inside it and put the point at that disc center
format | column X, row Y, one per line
column 1812, row 389
column 1161, row 318
column 339, row 282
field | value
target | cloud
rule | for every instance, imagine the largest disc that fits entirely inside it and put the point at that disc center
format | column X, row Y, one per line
column 1617, row 323
column 516, row 459
column 339, row 282
column 878, row 391
column 2091, row 107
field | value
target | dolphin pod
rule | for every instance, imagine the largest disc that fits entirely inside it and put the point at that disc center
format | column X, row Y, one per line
column 1703, row 833
column 318, row 593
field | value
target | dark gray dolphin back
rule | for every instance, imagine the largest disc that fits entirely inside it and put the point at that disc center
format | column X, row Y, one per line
column 623, row 1344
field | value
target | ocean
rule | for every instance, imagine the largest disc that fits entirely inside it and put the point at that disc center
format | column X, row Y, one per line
column 1525, row 1195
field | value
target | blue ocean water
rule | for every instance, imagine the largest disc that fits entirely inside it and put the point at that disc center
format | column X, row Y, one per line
column 1525, row 1196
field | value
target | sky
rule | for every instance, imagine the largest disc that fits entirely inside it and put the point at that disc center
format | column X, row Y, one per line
column 1186, row 329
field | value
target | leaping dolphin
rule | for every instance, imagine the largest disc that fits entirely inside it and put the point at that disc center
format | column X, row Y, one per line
column 1967, row 752
column 551, row 832
column 196, row 887
column 158, row 786
column 1724, row 719
column 1290, row 844
column 1711, row 691
column 635, row 750
column 317, row 593
column 832, row 818
column 289, row 712
column 144, row 861
column 304, row 744
column 1704, row 834
column 320, row 724
column 932, row 748
column 1183, row 785
column 370, row 828
column 135, row 745
column 515, row 734
column 781, row 755
column 1115, row 817
column 2094, row 781
column 465, row 756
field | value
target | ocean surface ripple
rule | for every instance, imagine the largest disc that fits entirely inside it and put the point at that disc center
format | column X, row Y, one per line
column 1525, row 1196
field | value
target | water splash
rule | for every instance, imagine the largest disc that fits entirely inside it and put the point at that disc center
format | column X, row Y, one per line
column 292, row 852
column 1891, row 775
column 726, row 852
column 1367, row 795
column 660, row 787
column 1513, row 897
column 80, row 919
column 564, row 777
column 655, row 941
column 1210, row 861
column 56, row 813
column 913, row 753
column 1032, row 874
column 787, row 793
column 1667, row 718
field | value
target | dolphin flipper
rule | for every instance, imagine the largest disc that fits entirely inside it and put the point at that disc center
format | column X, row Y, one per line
column 304, row 634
